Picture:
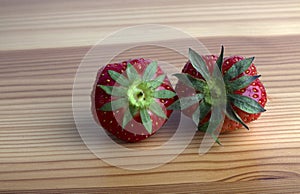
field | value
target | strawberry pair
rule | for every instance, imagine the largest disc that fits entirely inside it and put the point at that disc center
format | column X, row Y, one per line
column 134, row 99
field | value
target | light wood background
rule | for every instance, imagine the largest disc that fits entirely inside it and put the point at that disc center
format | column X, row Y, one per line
column 43, row 42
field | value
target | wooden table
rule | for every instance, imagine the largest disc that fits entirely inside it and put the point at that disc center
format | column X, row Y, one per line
column 42, row 45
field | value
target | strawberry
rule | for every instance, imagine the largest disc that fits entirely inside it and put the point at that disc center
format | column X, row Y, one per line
column 199, row 89
column 131, row 99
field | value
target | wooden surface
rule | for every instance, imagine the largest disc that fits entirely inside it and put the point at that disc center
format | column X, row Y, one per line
column 42, row 45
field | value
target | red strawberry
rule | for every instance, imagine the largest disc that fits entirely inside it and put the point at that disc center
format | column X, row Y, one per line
column 131, row 99
column 245, row 94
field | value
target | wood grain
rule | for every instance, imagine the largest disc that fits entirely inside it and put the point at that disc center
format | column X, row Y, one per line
column 33, row 24
column 42, row 45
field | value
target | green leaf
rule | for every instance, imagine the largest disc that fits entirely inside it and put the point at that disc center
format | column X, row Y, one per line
column 201, row 112
column 164, row 94
column 204, row 109
column 196, row 116
column 185, row 102
column 119, row 78
column 134, row 110
column 215, row 119
column 175, row 105
column 220, row 59
column 156, row 109
column 216, row 139
column 114, row 105
column 238, row 68
column 214, row 123
column 199, row 64
column 131, row 73
column 231, row 114
column 246, row 104
column 198, row 84
column 190, row 81
column 217, row 88
column 150, row 71
column 157, row 81
column 146, row 120
column 183, row 77
column 128, row 115
column 114, row 91
column 241, row 82
column 204, row 127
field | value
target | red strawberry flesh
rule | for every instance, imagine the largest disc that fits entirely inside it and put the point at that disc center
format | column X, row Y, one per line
column 139, row 95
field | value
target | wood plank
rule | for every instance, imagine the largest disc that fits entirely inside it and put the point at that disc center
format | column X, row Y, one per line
column 41, row 149
column 286, row 186
column 36, row 24
column 42, row 45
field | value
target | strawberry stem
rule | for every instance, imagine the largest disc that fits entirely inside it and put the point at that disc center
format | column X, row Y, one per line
column 140, row 95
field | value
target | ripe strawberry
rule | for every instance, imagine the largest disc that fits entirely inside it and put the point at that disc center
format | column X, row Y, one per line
column 199, row 90
column 131, row 99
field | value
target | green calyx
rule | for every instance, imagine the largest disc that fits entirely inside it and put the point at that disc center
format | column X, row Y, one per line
column 214, row 91
column 217, row 89
column 137, row 94
column 140, row 95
